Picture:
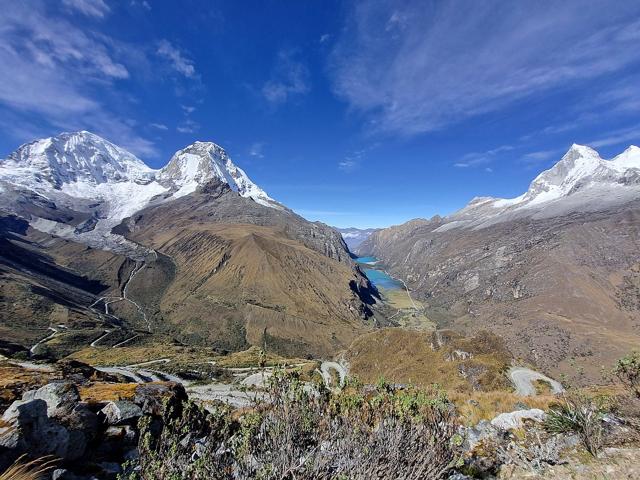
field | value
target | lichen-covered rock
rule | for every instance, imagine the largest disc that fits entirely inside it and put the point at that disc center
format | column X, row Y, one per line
column 152, row 396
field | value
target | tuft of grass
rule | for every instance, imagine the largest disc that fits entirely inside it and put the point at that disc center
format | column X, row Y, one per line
column 578, row 413
column 24, row 470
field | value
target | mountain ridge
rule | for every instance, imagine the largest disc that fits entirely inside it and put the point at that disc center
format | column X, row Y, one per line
column 557, row 279
column 99, row 184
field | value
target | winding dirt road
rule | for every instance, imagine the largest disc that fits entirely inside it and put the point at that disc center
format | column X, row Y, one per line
column 523, row 378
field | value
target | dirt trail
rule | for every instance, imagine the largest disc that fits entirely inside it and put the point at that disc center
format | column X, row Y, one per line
column 108, row 300
column 523, row 378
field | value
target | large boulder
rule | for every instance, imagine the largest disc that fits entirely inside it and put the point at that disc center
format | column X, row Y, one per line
column 121, row 412
column 60, row 397
column 29, row 430
column 511, row 420
column 153, row 396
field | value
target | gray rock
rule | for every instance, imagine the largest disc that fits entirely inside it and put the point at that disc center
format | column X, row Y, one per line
column 152, row 396
column 121, row 412
column 511, row 420
column 124, row 434
column 60, row 397
column 31, row 431
column 474, row 435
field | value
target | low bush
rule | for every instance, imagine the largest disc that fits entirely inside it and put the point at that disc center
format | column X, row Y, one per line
column 627, row 370
column 306, row 432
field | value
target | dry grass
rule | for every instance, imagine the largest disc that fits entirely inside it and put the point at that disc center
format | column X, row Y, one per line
column 140, row 354
column 103, row 392
column 252, row 357
column 477, row 406
column 402, row 356
column 33, row 470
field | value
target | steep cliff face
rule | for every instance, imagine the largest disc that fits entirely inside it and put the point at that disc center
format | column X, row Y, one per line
column 555, row 271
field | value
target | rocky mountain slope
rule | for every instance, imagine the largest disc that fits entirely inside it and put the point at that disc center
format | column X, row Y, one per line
column 94, row 240
column 555, row 271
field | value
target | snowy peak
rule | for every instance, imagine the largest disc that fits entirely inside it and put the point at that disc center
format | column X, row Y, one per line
column 580, row 181
column 71, row 158
column 577, row 165
column 202, row 162
column 80, row 186
column 629, row 159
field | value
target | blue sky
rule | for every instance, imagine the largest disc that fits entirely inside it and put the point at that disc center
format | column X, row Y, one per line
column 354, row 113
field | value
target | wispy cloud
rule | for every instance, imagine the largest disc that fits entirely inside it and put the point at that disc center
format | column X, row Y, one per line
column 256, row 150
column 290, row 78
column 353, row 160
column 177, row 58
column 617, row 137
column 159, row 126
column 347, row 165
column 540, row 156
column 141, row 3
column 475, row 159
column 415, row 66
column 188, row 126
column 60, row 75
column 90, row 8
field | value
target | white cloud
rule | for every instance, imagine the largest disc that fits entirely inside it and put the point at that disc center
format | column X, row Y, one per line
column 416, row 66
column 90, row 8
column 159, row 126
column 347, row 165
column 256, row 150
column 475, row 159
column 144, row 4
column 540, row 156
column 56, row 76
column 188, row 126
column 289, row 78
column 624, row 136
column 325, row 37
column 177, row 58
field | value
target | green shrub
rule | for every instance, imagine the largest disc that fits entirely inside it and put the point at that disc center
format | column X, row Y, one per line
column 627, row 370
column 306, row 432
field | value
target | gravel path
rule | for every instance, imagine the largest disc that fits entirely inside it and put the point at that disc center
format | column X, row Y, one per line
column 523, row 378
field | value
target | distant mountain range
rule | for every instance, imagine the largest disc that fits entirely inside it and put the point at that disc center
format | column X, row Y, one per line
column 555, row 271
column 355, row 236
column 195, row 252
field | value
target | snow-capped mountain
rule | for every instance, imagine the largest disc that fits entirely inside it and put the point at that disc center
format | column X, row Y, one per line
column 580, row 181
column 79, row 186
column 355, row 236
column 203, row 161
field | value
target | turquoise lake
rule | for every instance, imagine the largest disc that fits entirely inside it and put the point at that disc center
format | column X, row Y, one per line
column 378, row 277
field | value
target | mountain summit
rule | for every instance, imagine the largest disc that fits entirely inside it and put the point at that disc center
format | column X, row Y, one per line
column 201, row 162
column 581, row 181
column 79, row 185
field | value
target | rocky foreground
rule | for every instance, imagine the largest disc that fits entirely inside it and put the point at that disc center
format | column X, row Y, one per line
column 97, row 425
